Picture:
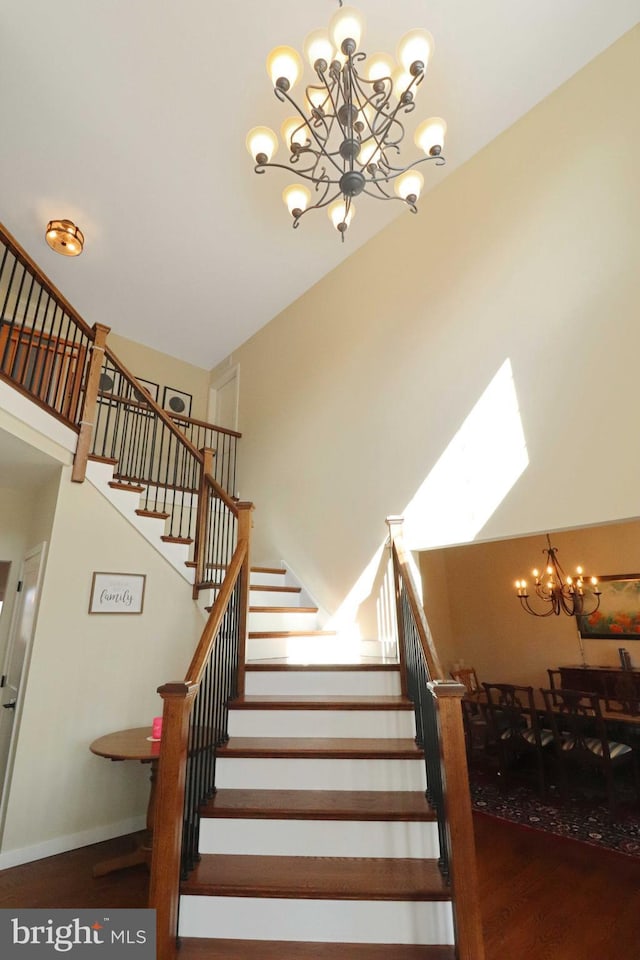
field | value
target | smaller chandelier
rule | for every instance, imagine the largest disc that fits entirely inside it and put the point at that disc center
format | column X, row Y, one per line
column 344, row 139
column 64, row 237
column 559, row 592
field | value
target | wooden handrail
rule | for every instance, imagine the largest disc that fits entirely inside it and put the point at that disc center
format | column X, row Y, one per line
column 178, row 698
column 203, row 650
column 157, row 409
column 402, row 558
column 457, row 828
column 42, row 279
column 207, row 426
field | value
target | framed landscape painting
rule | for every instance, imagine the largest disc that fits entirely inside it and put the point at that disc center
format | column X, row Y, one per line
column 618, row 616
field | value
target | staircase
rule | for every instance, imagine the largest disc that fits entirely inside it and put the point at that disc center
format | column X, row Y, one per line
column 319, row 840
column 291, row 781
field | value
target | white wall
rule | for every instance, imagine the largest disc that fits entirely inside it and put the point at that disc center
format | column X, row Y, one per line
column 90, row 675
column 530, row 253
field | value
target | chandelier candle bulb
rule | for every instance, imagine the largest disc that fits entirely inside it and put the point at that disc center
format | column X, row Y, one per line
column 318, row 50
column 296, row 198
column 414, row 51
column 262, row 144
column 409, row 185
column 293, row 132
column 346, row 29
column 381, row 67
column 284, row 66
column 429, row 136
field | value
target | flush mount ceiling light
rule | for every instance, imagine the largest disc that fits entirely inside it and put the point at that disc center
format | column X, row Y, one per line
column 64, row 237
column 558, row 592
column 345, row 139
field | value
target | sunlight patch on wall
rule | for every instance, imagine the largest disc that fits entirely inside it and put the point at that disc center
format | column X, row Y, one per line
column 474, row 474
column 477, row 470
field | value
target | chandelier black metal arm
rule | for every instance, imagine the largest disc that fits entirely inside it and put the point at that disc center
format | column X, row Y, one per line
column 558, row 592
column 343, row 137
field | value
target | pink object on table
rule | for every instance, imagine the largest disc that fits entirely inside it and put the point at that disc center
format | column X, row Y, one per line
column 156, row 728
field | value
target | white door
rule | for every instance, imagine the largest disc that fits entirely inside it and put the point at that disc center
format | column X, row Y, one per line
column 223, row 404
column 14, row 670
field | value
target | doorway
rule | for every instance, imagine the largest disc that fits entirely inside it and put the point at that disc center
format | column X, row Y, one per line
column 224, row 398
column 16, row 663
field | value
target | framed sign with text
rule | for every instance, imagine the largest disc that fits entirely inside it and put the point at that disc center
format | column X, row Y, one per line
column 117, row 593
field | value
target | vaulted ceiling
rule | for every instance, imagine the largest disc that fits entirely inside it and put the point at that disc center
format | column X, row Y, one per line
column 129, row 117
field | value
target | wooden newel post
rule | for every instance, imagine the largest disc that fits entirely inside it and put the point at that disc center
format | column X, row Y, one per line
column 164, row 890
column 245, row 521
column 200, row 545
column 90, row 403
column 457, row 798
column 395, row 530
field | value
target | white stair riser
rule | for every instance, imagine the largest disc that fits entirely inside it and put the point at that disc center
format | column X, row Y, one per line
column 312, row 649
column 259, row 773
column 267, row 579
column 273, row 598
column 321, row 723
column 320, row 838
column 323, row 921
column 362, row 683
column 268, row 622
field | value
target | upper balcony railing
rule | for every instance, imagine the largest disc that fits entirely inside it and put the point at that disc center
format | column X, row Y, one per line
column 44, row 343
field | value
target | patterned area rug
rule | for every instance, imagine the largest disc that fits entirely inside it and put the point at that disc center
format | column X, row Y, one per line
column 581, row 817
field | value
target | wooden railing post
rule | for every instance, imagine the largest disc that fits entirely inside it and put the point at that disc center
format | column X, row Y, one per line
column 200, row 545
column 90, row 403
column 164, row 890
column 457, row 800
column 245, row 510
column 395, row 530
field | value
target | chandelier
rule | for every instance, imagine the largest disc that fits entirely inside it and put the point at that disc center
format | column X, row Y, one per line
column 560, row 593
column 345, row 139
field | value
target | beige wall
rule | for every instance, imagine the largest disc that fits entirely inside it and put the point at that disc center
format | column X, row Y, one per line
column 489, row 630
column 164, row 370
column 530, row 253
column 89, row 675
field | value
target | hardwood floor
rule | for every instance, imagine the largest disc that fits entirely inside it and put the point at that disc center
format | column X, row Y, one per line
column 542, row 897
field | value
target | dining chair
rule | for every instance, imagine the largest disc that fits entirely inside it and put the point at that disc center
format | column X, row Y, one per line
column 468, row 677
column 581, row 739
column 515, row 721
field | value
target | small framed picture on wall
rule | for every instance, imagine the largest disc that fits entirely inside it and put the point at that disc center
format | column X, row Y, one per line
column 117, row 592
column 150, row 387
column 175, row 401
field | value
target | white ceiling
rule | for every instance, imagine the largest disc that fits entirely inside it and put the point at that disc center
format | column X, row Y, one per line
column 129, row 117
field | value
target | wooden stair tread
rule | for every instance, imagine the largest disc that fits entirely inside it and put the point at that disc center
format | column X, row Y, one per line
column 129, row 487
column 275, row 634
column 316, row 878
column 169, row 539
column 404, row 805
column 199, row 948
column 278, row 570
column 319, row 702
column 325, row 667
column 110, row 460
column 155, row 514
column 268, row 588
column 253, row 609
column 338, row 748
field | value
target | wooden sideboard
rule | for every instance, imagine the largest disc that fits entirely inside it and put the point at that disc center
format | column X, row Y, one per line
column 600, row 680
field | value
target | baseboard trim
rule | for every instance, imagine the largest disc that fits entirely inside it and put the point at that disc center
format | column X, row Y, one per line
column 70, row 841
